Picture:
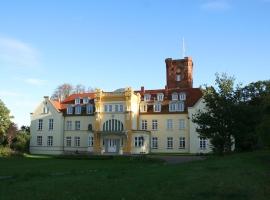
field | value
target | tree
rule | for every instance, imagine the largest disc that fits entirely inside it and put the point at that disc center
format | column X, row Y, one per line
column 5, row 120
column 79, row 89
column 11, row 133
column 62, row 91
column 216, row 122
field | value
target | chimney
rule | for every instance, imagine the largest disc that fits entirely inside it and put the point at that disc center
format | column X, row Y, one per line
column 142, row 89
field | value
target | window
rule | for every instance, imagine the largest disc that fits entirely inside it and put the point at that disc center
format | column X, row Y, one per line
column 176, row 106
column 77, row 101
column 182, row 142
column 45, row 110
column 69, row 125
column 40, row 124
column 169, row 124
column 121, row 108
column 78, row 110
column 90, row 127
column 89, row 109
column 50, row 124
column 178, row 77
column 110, row 108
column 154, row 124
column 202, row 143
column 181, row 124
column 85, row 100
column 39, row 140
column 50, row 141
column 174, row 96
column 182, row 96
column 154, row 142
column 68, row 141
column 70, row 110
column 169, row 142
column 139, row 141
column 113, row 125
column 77, row 125
column 181, row 106
column 90, row 141
column 144, row 124
column 116, row 108
column 143, row 108
column 157, row 107
column 77, row 141
column 160, row 97
column 147, row 97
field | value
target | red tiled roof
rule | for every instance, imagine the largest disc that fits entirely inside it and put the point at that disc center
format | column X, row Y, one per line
column 72, row 97
column 58, row 105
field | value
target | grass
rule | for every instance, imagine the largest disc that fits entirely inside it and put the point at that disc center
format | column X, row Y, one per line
column 237, row 176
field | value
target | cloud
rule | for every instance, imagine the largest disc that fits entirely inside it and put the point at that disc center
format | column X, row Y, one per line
column 216, row 5
column 9, row 94
column 15, row 53
column 35, row 81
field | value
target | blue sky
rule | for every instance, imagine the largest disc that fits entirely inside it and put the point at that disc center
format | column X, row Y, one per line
column 114, row 44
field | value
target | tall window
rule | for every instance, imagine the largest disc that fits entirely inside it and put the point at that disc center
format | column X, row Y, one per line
column 113, row 125
column 89, row 109
column 110, row 108
column 50, row 140
column 90, row 141
column 40, row 124
column 160, row 96
column 50, row 124
column 154, row 142
column 45, row 110
column 202, row 143
column 147, row 97
column 116, row 108
column 70, row 110
column 181, row 106
column 78, row 110
column 154, row 124
column 174, row 96
column 182, row 124
column 68, row 141
column 77, row 101
column 169, row 142
column 169, row 124
column 157, row 107
column 182, row 142
column 85, row 100
column 182, row 96
column 143, row 107
column 69, row 125
column 77, row 125
column 39, row 140
column 144, row 124
column 121, row 108
column 139, row 141
column 178, row 77
column 77, row 141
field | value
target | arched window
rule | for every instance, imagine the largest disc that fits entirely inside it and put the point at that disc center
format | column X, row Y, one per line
column 90, row 128
column 113, row 125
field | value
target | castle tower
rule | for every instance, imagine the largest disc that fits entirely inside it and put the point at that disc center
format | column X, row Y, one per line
column 179, row 73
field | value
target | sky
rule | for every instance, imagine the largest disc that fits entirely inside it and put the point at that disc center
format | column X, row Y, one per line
column 112, row 44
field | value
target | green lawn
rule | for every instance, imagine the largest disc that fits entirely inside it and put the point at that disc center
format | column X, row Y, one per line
column 238, row 176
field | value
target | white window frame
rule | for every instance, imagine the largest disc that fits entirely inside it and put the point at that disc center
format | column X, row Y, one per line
column 169, row 124
column 77, row 141
column 39, row 140
column 182, row 142
column 182, row 96
column 45, row 109
column 143, row 107
column 68, row 141
column 68, row 125
column 139, row 141
column 157, row 107
column 160, row 96
column 144, row 124
column 50, row 141
column 89, row 109
column 182, row 124
column 116, row 108
column 154, row 124
column 181, row 106
column 169, row 142
column 85, row 100
column 154, row 143
column 50, row 124
column 147, row 97
column 178, row 77
column 40, row 124
column 77, row 125
column 77, row 101
column 69, row 110
column 121, row 108
column 78, row 110
column 90, row 141
column 174, row 96
column 203, row 143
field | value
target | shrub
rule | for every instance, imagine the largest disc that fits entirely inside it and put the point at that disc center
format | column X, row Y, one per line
column 5, row 151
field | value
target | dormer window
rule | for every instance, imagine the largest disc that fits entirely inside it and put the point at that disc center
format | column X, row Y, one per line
column 85, row 100
column 143, row 107
column 178, row 77
column 157, row 107
column 70, row 110
column 174, row 96
column 89, row 109
column 182, row 96
column 160, row 96
column 78, row 110
column 147, row 97
column 77, row 101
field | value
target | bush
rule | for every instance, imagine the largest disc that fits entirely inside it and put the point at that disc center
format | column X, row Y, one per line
column 21, row 142
column 5, row 151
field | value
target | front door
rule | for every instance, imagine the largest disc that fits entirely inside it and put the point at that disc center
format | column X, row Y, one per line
column 112, row 145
